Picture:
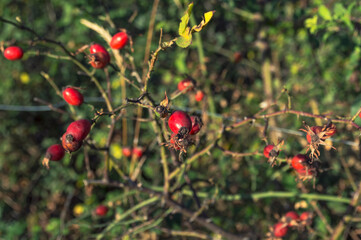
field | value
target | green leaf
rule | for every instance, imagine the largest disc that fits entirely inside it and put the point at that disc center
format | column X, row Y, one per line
column 183, row 25
column 206, row 18
column 339, row 11
column 311, row 23
column 184, row 42
column 324, row 13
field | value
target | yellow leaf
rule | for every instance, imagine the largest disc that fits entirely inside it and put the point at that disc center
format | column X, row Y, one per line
column 183, row 25
column 165, row 101
column 206, row 18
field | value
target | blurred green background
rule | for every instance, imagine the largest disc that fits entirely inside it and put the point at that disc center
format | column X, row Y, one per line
column 244, row 58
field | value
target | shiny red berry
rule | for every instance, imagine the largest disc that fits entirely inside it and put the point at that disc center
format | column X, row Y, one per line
column 299, row 162
column 101, row 210
column 94, row 48
column 119, row 40
column 280, row 229
column 138, row 152
column 127, row 151
column 199, row 95
column 69, row 143
column 315, row 129
column 13, row 53
column 305, row 216
column 180, row 123
column 73, row 96
column 55, row 152
column 79, row 129
column 185, row 84
column 196, row 125
column 267, row 149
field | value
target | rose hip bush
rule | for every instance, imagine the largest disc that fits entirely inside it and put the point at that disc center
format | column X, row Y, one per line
column 171, row 120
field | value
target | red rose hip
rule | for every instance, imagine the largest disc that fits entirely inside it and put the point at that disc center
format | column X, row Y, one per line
column 99, row 56
column 54, row 153
column 138, row 152
column 79, row 129
column 127, row 151
column 280, row 229
column 199, row 95
column 101, row 210
column 185, row 84
column 73, row 96
column 267, row 149
column 94, row 48
column 180, row 123
column 13, row 53
column 299, row 162
column 119, row 40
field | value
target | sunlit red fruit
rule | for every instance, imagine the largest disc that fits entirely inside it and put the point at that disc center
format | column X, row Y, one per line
column 305, row 216
column 138, row 152
column 97, row 48
column 196, row 125
column 13, row 53
column 119, row 40
column 55, row 152
column 299, row 162
column 180, row 123
column 184, row 84
column 76, row 132
column 280, row 229
column 199, row 95
column 73, row 96
column 101, row 210
column 127, row 151
column 79, row 129
column 267, row 149
column 99, row 56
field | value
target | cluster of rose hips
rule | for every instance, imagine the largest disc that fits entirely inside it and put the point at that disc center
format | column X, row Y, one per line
column 183, row 129
column 188, row 85
column 305, row 166
column 136, row 151
column 71, row 140
column 99, row 56
column 290, row 220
